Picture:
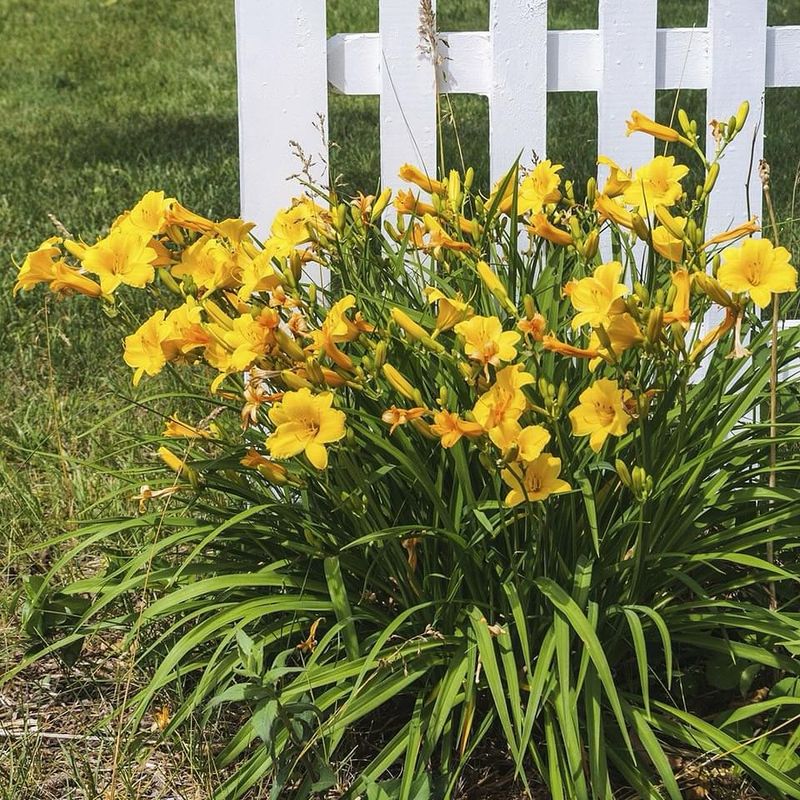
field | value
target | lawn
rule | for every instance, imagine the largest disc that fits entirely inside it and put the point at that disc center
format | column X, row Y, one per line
column 106, row 99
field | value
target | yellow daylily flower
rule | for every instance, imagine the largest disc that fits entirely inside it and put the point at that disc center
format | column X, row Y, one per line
column 618, row 179
column 612, row 211
column 256, row 273
column 639, row 122
column 184, row 330
column 183, row 218
column 505, row 400
column 666, row 243
column 758, row 268
column 534, row 481
column 680, row 312
column 539, row 187
column 554, row 345
column 143, row 350
column 601, row 412
column 305, row 423
column 486, row 342
column 597, row 297
column 235, row 230
column 745, row 229
column 395, row 416
column 528, row 442
column 540, row 226
column 622, row 333
column 412, row 174
column 533, row 327
column 175, row 429
column 452, row 310
column 149, row 214
column 449, row 427
column 208, row 263
column 124, row 256
column 656, row 183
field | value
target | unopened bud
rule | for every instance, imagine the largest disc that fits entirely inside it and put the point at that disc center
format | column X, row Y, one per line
column 469, row 177
column 654, row 323
column 591, row 244
column 314, row 371
column 711, row 178
column 683, row 121
column 529, row 306
column 380, row 204
column 591, row 192
column 398, row 382
column 640, row 226
column 562, row 394
column 289, row 346
column 380, row 353
column 640, row 290
column 623, row 472
column 293, row 381
column 741, row 115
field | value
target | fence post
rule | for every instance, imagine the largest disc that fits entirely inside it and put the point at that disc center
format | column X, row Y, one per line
column 738, row 40
column 408, row 91
column 518, row 99
column 283, row 95
column 628, row 77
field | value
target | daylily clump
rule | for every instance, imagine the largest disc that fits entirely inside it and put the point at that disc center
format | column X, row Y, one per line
column 520, row 376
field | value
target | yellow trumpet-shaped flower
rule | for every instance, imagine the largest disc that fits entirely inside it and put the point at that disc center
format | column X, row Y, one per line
column 235, row 230
column 143, row 350
column 758, row 268
column 183, row 218
column 528, row 442
column 618, row 179
column 124, row 256
column 256, row 274
column 601, row 413
column 539, row 187
column 208, row 263
column 656, row 183
column 612, row 211
column 149, row 214
column 395, row 416
column 184, row 330
column 745, row 229
column 597, row 297
column 486, row 342
column 680, row 311
column 666, row 243
column 541, row 226
column 44, row 265
column 639, row 122
column 305, row 423
column 175, row 429
column 534, row 481
column 412, row 174
column 452, row 310
column 449, row 427
column 505, row 400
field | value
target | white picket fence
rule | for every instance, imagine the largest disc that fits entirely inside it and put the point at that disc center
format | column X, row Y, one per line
column 287, row 65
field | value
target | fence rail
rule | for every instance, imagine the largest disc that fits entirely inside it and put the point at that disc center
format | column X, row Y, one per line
column 287, row 65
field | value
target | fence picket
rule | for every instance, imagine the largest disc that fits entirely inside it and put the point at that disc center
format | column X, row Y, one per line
column 518, row 98
column 283, row 96
column 408, row 92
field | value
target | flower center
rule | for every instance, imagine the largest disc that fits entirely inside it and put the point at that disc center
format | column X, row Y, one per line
column 605, row 414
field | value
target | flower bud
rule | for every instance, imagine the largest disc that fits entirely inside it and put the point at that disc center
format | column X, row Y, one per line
column 314, row 371
column 711, row 178
column 561, row 399
column 623, row 472
column 591, row 244
column 640, row 290
column 415, row 331
column 741, row 115
column 731, row 128
column 591, row 191
column 166, row 278
column 469, row 177
column 443, row 393
column 293, row 381
column 398, row 382
column 529, row 305
column 380, row 353
column 217, row 314
column 640, row 226
column 683, row 121
column 380, row 204
column 289, row 346
column 179, row 466
column 422, row 427
column 654, row 323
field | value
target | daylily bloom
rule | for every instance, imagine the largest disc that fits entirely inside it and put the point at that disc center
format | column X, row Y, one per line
column 412, row 174
column 208, row 263
column 539, row 187
column 758, row 268
column 183, row 330
column 680, row 312
column 533, row 327
column 618, row 179
column 452, row 310
column 486, row 341
column 639, row 122
column 175, row 429
column 666, row 243
column 257, row 274
column 597, row 297
column 269, row 469
column 305, row 423
column 528, row 442
column 621, row 332
column 717, row 332
column 533, row 481
column 540, row 226
column 555, row 345
column 235, row 230
column 505, row 400
column 601, row 413
column 124, row 256
column 395, row 416
column 450, row 428
column 183, row 218
column 611, row 210
column 745, row 229
column 335, row 329
column 656, row 183
column 146, row 494
column 149, row 214
column 143, row 350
